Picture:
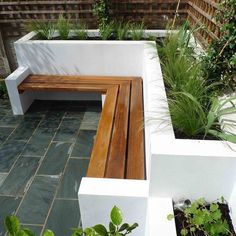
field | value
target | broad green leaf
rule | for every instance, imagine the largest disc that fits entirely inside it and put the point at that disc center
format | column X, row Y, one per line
column 170, row 217
column 132, row 227
column 112, row 227
column 124, row 227
column 48, row 233
column 227, row 137
column 12, row 224
column 77, row 232
column 101, row 230
column 116, row 216
column 28, row 232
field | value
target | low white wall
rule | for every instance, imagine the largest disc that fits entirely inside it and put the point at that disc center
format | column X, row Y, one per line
column 98, row 196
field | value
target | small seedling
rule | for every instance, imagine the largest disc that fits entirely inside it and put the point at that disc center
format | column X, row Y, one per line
column 203, row 217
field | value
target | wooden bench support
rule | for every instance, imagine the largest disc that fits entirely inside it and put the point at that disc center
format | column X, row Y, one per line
column 118, row 150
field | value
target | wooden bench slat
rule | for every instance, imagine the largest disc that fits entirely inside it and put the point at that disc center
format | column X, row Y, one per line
column 63, row 87
column 71, row 78
column 117, row 155
column 135, row 160
column 98, row 159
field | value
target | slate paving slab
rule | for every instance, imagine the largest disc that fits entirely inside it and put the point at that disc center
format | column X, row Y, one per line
column 55, row 159
column 16, row 182
column 8, row 207
column 43, row 157
column 75, row 170
column 9, row 152
column 61, row 224
column 38, row 199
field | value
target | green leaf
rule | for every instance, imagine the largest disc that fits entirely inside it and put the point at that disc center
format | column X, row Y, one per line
column 116, row 216
column 12, row 224
column 28, row 232
column 124, row 227
column 48, row 232
column 227, row 137
column 170, row 217
column 101, row 230
column 184, row 232
column 132, row 227
column 112, row 227
column 214, row 207
column 77, row 232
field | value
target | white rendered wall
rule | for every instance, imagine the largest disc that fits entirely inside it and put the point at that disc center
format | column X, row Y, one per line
column 98, row 196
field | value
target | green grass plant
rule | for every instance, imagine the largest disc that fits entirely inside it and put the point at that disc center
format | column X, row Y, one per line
column 195, row 109
column 81, row 31
column 136, row 31
column 107, row 31
column 63, row 27
column 122, row 30
column 44, row 29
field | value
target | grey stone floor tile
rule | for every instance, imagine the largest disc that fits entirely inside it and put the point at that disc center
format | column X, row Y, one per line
column 9, row 152
column 2, row 178
column 20, row 175
column 38, row 199
column 39, row 142
column 36, row 229
column 64, row 215
column 91, row 117
column 8, row 206
column 10, row 120
column 26, row 128
column 4, row 133
column 84, row 143
column 66, row 134
column 55, row 159
column 75, row 170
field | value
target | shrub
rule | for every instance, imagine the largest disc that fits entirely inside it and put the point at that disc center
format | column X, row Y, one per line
column 220, row 60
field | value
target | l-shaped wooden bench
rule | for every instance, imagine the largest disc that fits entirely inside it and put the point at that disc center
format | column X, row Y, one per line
column 118, row 150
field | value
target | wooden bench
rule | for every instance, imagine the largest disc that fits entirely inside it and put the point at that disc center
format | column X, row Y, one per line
column 118, row 150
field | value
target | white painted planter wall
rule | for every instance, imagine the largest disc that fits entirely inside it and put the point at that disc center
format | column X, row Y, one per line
column 175, row 168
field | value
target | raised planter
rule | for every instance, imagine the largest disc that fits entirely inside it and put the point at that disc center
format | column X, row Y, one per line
column 175, row 168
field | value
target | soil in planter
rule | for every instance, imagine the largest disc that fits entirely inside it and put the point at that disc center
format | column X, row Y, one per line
column 180, row 220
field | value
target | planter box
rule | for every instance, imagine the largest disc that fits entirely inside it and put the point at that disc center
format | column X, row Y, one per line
column 175, row 168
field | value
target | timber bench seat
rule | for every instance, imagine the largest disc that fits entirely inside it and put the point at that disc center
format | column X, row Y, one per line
column 118, row 150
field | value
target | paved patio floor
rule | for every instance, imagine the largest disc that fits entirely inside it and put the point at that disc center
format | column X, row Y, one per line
column 43, row 156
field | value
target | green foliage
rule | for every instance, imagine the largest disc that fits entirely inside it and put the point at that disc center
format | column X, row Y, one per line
column 107, row 31
column 63, row 27
column 101, row 10
column 116, row 228
column 204, row 217
column 44, row 29
column 136, row 31
column 81, row 31
column 195, row 109
column 122, row 30
column 220, row 60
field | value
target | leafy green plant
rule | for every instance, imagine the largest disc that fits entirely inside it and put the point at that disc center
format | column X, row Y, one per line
column 195, row 109
column 201, row 216
column 220, row 60
column 107, row 31
column 81, row 31
column 122, row 30
column 44, row 30
column 63, row 27
column 101, row 10
column 116, row 227
column 136, row 31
